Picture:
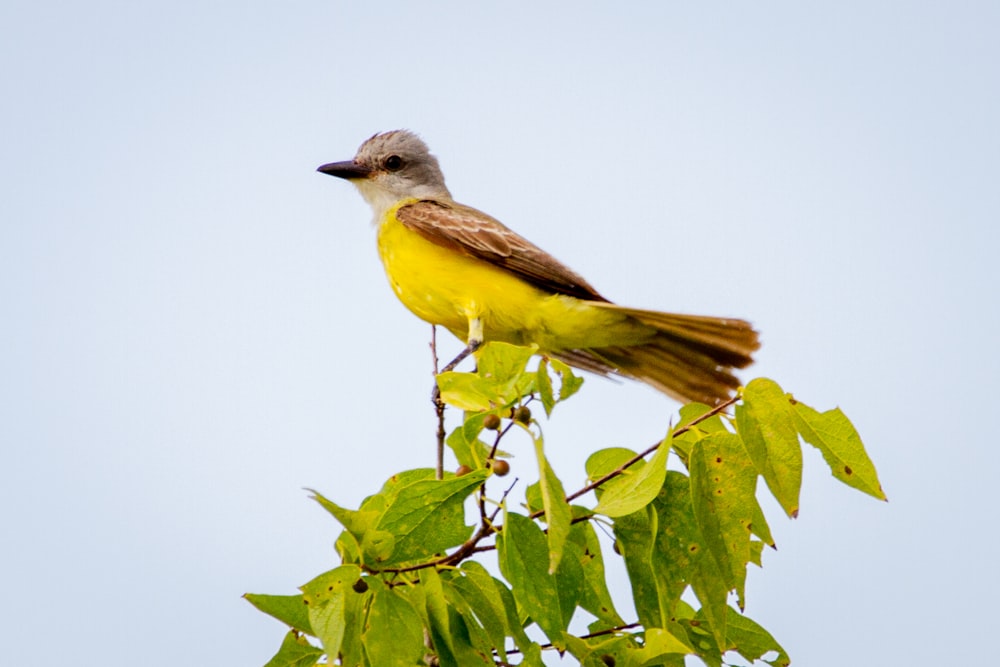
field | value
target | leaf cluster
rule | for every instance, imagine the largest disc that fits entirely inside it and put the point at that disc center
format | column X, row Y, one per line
column 412, row 587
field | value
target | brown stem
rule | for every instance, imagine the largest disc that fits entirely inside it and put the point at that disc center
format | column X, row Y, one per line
column 641, row 455
column 609, row 631
column 438, row 408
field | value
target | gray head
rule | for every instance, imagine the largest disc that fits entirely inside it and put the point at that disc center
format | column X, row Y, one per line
column 392, row 166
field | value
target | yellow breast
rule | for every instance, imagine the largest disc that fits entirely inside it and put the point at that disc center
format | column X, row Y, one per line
column 445, row 287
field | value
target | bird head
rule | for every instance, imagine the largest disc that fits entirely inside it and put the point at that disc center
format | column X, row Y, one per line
column 390, row 167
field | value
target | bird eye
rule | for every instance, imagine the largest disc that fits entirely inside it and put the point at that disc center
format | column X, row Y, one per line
column 393, row 163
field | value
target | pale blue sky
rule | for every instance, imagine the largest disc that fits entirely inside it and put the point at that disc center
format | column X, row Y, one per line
column 182, row 296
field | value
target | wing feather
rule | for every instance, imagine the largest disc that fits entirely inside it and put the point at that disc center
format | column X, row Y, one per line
column 478, row 235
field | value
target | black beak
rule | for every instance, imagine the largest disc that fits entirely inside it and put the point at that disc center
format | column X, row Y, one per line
column 349, row 170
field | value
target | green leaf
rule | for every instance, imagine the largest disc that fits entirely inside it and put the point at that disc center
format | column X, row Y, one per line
column 392, row 486
column 465, row 443
column 635, row 536
column 603, row 461
column 466, row 391
column 472, row 426
column 759, row 527
column 348, row 548
column 569, row 582
column 377, row 546
column 517, row 620
column 557, row 512
column 326, row 598
column 472, row 646
column 356, row 522
column 428, row 516
column 493, row 604
column 500, row 379
column 595, row 596
column 523, row 556
column 295, row 651
column 664, row 661
column 678, row 549
column 654, row 591
column 532, row 656
column 695, row 630
column 485, row 628
column 504, row 363
column 289, row 609
column 456, row 636
column 833, row 434
column 664, row 553
column 661, row 643
column 544, row 384
column 756, row 551
column 752, row 641
column 602, row 651
column 355, row 612
column 569, row 383
column 702, row 633
column 636, row 486
column 393, row 633
column 437, row 617
column 723, row 487
column 691, row 412
column 579, row 649
column 687, row 432
column 767, row 426
column 533, row 498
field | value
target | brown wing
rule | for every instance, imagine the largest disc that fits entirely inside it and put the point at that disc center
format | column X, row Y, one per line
column 474, row 233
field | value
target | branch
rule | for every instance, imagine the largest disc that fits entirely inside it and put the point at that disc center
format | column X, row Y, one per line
column 599, row 633
column 641, row 455
column 438, row 408
column 638, row 457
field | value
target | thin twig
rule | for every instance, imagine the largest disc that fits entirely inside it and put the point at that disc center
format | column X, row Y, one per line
column 438, row 408
column 638, row 457
column 436, row 393
column 608, row 631
column 496, row 441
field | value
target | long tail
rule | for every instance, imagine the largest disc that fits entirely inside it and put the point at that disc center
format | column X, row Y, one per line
column 690, row 357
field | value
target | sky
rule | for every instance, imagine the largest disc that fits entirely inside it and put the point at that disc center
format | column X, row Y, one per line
column 194, row 325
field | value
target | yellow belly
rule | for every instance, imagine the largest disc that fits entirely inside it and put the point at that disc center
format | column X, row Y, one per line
column 444, row 287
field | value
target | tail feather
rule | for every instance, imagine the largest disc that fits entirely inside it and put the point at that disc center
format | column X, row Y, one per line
column 689, row 357
column 730, row 341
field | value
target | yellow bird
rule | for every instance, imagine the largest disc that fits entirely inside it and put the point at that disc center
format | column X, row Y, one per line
column 455, row 266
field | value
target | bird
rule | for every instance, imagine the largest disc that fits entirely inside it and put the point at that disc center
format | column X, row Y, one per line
column 455, row 266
